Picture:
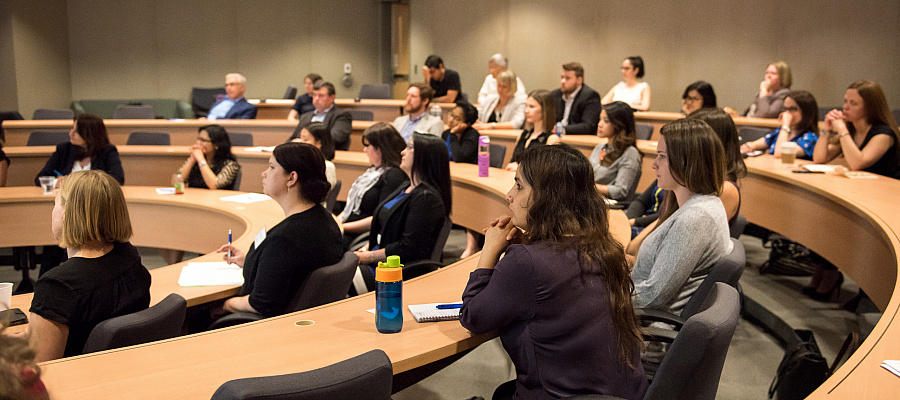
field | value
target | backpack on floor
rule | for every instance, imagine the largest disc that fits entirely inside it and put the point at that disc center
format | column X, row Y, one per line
column 787, row 257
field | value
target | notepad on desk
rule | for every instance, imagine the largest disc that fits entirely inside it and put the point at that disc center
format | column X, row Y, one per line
column 430, row 312
column 892, row 365
column 210, row 274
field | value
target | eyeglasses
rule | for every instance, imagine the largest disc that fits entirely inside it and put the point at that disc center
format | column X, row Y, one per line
column 691, row 99
column 790, row 109
column 203, row 139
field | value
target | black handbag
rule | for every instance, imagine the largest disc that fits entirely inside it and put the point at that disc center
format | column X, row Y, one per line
column 803, row 368
column 787, row 258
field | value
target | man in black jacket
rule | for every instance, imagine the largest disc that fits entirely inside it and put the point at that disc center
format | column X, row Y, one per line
column 577, row 105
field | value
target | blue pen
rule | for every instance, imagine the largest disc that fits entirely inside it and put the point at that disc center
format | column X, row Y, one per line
column 449, row 306
column 229, row 243
column 57, row 173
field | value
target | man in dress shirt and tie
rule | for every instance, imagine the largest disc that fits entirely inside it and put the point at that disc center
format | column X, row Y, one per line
column 235, row 106
column 337, row 120
column 417, row 118
column 577, row 105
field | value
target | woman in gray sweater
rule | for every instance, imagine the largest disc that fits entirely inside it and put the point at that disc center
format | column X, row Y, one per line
column 692, row 231
column 617, row 163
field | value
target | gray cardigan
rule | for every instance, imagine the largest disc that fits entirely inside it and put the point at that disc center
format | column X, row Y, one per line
column 674, row 258
column 622, row 176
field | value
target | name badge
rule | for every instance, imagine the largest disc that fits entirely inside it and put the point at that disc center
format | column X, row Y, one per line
column 259, row 237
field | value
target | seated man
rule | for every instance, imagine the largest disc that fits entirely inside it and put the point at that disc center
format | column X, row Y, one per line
column 445, row 82
column 336, row 120
column 496, row 65
column 577, row 105
column 417, row 119
column 235, row 106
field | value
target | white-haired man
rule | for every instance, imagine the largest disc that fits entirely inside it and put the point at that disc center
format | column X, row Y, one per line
column 235, row 106
column 497, row 64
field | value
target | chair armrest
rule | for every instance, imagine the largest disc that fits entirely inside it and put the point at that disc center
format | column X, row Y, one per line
column 647, row 315
column 359, row 242
column 419, row 268
column 662, row 335
column 235, row 319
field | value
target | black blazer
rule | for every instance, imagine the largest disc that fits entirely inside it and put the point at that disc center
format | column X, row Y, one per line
column 462, row 149
column 412, row 225
column 338, row 121
column 63, row 159
column 585, row 113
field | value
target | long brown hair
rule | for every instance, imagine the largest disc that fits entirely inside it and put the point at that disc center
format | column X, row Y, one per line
column 622, row 118
column 809, row 111
column 723, row 126
column 877, row 110
column 696, row 161
column 93, row 131
column 548, row 109
column 567, row 211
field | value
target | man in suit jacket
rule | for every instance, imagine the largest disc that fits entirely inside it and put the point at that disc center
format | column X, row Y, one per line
column 338, row 121
column 235, row 106
column 417, row 119
column 577, row 105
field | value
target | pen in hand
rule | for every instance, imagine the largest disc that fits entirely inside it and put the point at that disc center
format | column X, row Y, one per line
column 229, row 243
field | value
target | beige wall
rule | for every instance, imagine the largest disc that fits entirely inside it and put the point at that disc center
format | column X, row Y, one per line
column 827, row 44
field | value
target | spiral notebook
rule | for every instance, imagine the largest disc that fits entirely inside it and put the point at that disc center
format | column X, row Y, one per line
column 430, row 312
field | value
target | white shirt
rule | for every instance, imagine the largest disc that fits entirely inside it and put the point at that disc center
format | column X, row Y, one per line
column 490, row 87
column 569, row 99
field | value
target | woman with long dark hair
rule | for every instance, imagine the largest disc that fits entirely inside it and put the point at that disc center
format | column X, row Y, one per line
column 88, row 148
column 799, row 124
column 562, row 292
column 617, row 163
column 211, row 164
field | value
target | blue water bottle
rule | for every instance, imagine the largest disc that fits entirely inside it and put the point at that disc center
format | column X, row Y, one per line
column 389, row 296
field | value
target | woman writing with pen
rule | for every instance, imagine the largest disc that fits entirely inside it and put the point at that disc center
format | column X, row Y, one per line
column 307, row 239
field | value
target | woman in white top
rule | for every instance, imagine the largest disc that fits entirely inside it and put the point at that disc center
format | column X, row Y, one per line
column 504, row 110
column 636, row 94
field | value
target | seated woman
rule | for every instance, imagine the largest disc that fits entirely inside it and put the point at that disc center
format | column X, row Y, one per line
column 692, row 231
column 799, row 124
column 462, row 139
column 562, row 292
column 504, row 110
column 103, row 277
column 772, row 90
column 409, row 222
column 540, row 120
column 88, row 148
column 318, row 135
column 735, row 169
column 211, row 163
column 617, row 163
column 634, row 93
column 696, row 96
column 307, row 239
column 382, row 145
column 864, row 132
column 304, row 103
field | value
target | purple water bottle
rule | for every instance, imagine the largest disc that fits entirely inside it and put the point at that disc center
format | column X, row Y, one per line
column 484, row 155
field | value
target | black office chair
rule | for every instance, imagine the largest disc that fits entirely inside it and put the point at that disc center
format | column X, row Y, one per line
column 643, row 130
column 331, row 199
column 148, row 138
column 322, row 286
column 751, row 133
column 896, row 113
column 825, row 110
column 375, row 91
column 124, row 111
column 43, row 113
column 236, row 183
column 202, row 99
column 366, row 376
column 362, row 115
column 737, row 228
column 162, row 321
column 498, row 154
column 47, row 138
column 290, row 93
column 241, row 139
column 693, row 364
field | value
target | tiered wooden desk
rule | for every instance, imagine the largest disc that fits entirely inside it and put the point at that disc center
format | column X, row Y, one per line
column 382, row 109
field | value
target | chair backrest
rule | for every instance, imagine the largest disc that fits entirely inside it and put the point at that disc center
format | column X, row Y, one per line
column 825, row 110
column 693, row 364
column 162, row 321
column 362, row 115
column 236, row 184
column 125, row 111
column 498, row 154
column 438, row 252
column 331, row 199
column 727, row 270
column 290, row 92
column 203, row 98
column 148, row 138
column 47, row 138
column 643, row 130
column 241, row 139
column 43, row 113
column 737, row 228
column 896, row 113
column 751, row 133
column 375, row 91
column 366, row 376
column 326, row 284
column 7, row 116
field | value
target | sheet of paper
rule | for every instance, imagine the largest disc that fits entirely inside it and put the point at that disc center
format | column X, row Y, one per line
column 170, row 190
column 246, row 198
column 210, row 274
column 820, row 167
column 892, row 365
column 261, row 149
column 860, row 175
